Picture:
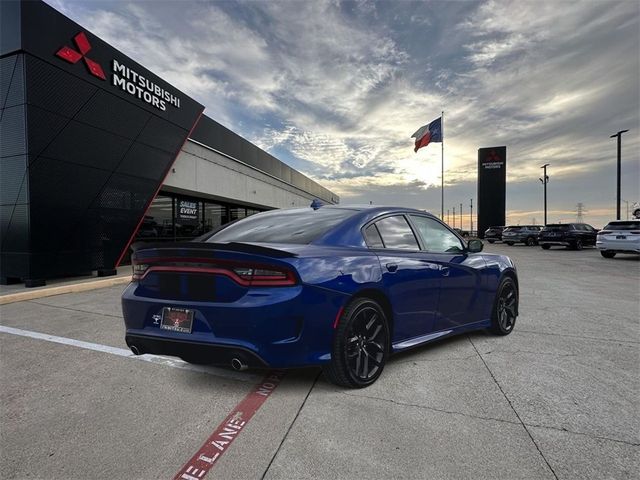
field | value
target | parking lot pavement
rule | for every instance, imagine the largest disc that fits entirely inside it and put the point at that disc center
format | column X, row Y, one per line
column 558, row 398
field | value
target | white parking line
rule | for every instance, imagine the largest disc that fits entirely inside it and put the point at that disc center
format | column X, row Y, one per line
column 123, row 352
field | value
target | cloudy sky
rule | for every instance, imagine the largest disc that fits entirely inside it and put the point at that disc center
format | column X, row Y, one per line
column 335, row 89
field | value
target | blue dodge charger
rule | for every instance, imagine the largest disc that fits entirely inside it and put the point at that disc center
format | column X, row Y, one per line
column 340, row 287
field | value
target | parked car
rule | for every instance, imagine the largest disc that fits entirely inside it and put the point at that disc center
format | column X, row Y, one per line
column 493, row 234
column 527, row 234
column 619, row 236
column 571, row 235
column 335, row 286
column 461, row 232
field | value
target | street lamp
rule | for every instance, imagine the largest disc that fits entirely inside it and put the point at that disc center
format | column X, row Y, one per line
column 545, row 180
column 619, row 135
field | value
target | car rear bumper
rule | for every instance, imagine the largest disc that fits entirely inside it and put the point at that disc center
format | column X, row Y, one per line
column 198, row 352
column 272, row 327
column 619, row 246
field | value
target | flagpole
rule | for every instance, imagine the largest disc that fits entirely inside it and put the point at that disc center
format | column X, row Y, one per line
column 442, row 173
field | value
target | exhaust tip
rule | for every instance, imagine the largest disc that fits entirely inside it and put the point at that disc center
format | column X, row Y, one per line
column 135, row 350
column 238, row 364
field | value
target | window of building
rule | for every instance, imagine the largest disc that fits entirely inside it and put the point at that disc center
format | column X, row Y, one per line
column 180, row 218
column 158, row 222
column 236, row 213
column 215, row 215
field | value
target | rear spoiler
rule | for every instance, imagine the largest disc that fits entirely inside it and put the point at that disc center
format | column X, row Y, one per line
column 204, row 246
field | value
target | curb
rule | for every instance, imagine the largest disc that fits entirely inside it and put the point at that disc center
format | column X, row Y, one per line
column 70, row 288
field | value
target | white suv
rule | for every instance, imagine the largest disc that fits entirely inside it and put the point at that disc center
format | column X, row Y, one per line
column 619, row 236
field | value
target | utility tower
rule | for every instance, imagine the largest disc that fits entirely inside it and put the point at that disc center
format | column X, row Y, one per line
column 580, row 211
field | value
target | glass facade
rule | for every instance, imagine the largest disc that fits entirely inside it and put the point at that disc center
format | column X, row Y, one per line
column 173, row 217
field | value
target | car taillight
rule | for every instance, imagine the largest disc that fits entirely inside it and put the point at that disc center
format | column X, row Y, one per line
column 245, row 274
column 260, row 276
column 635, row 232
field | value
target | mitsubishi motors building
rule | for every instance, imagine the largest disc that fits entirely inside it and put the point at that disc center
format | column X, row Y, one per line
column 97, row 152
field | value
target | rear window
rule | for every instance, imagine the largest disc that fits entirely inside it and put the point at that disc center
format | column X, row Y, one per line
column 513, row 229
column 630, row 225
column 298, row 226
column 559, row 228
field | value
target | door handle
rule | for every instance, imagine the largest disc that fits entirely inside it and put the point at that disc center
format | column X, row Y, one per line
column 392, row 267
column 445, row 271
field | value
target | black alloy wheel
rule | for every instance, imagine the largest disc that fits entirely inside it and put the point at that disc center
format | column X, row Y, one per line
column 577, row 244
column 360, row 345
column 490, row 241
column 607, row 253
column 509, row 243
column 545, row 246
column 531, row 242
column 505, row 309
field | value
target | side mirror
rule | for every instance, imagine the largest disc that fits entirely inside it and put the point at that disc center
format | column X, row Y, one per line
column 475, row 246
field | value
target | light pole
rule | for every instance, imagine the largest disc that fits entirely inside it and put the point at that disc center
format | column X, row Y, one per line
column 471, row 215
column 448, row 216
column 454, row 217
column 619, row 135
column 460, row 216
column 545, row 180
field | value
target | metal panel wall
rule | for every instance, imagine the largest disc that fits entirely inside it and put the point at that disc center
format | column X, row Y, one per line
column 14, row 185
column 81, row 159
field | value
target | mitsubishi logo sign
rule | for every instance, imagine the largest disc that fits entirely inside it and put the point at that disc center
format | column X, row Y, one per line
column 124, row 77
column 73, row 56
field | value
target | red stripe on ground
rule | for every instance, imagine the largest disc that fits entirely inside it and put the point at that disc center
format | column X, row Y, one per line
column 223, row 436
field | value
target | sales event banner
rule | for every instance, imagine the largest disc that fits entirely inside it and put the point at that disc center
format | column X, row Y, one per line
column 492, row 179
column 188, row 211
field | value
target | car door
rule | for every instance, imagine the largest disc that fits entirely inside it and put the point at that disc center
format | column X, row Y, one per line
column 461, row 299
column 411, row 283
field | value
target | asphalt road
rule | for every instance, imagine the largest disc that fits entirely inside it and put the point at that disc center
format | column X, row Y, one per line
column 558, row 398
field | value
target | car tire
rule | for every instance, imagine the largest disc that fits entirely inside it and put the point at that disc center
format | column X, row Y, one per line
column 531, row 242
column 505, row 307
column 361, row 338
column 607, row 253
column 509, row 243
column 577, row 245
column 490, row 241
column 545, row 246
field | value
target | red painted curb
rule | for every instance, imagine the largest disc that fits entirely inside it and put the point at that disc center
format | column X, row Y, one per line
column 224, row 435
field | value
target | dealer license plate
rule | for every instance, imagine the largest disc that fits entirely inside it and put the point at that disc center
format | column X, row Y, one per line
column 621, row 237
column 177, row 319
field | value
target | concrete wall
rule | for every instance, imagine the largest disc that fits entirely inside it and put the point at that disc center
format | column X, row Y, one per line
column 203, row 172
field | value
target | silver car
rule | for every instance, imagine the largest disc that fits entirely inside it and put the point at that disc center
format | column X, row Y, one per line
column 619, row 236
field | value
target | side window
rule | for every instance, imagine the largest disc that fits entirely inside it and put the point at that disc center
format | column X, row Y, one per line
column 437, row 238
column 372, row 237
column 396, row 233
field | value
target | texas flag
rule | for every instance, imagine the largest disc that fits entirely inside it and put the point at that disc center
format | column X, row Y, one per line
column 427, row 134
